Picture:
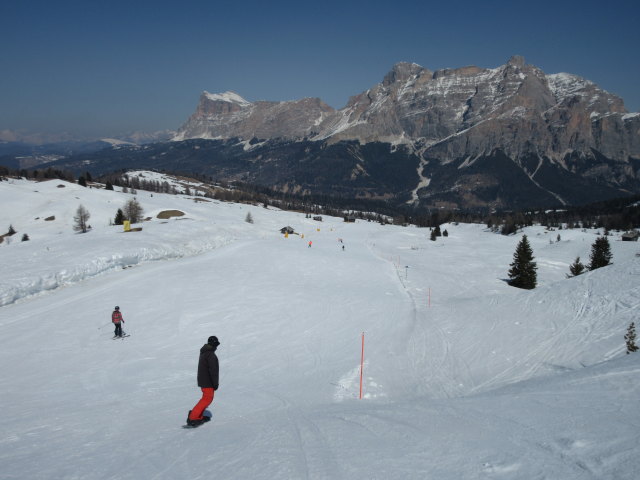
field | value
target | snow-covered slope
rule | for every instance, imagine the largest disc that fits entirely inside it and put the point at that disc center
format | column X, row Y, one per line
column 465, row 377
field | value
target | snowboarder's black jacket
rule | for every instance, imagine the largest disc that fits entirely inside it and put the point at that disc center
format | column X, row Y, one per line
column 208, row 368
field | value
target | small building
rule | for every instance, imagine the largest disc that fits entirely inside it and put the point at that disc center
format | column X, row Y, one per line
column 317, row 218
column 349, row 219
column 287, row 229
column 631, row 236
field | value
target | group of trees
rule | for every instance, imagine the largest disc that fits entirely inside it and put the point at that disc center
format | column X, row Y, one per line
column 436, row 232
column 134, row 183
column 617, row 214
column 132, row 211
column 600, row 257
column 38, row 174
column 522, row 271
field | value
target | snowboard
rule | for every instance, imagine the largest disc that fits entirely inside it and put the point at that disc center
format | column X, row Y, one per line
column 200, row 424
column 124, row 335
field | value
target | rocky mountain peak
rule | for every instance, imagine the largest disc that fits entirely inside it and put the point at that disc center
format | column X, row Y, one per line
column 516, row 61
column 401, row 72
column 220, row 103
column 453, row 113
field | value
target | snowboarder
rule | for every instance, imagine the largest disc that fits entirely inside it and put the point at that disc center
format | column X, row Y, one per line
column 207, row 381
column 116, row 318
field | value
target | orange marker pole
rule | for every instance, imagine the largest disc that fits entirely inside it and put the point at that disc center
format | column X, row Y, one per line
column 361, row 365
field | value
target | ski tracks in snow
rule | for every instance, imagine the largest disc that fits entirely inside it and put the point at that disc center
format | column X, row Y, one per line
column 316, row 459
column 424, row 350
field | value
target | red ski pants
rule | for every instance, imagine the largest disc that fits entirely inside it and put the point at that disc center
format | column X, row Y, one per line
column 205, row 401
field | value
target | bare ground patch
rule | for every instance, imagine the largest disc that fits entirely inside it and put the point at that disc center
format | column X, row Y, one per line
column 169, row 213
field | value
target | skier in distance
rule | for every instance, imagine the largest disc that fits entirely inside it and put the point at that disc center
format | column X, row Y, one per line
column 116, row 318
column 207, row 381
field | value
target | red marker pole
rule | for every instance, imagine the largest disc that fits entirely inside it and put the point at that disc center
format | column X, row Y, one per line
column 361, row 365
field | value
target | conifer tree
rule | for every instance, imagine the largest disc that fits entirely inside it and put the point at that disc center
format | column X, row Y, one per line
column 433, row 236
column 248, row 218
column 108, row 186
column 25, row 238
column 11, row 230
column 600, row 253
column 522, row 273
column 630, row 338
column 576, row 268
column 119, row 220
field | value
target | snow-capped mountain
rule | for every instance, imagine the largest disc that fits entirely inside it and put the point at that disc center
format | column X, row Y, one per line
column 228, row 115
column 502, row 137
column 451, row 113
column 505, row 137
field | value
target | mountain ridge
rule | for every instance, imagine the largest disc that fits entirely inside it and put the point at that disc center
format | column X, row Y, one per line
column 508, row 137
column 513, row 106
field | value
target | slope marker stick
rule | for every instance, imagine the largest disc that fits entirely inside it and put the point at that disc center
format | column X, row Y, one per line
column 361, row 365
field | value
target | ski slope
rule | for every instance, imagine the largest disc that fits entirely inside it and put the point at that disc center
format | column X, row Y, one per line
column 464, row 376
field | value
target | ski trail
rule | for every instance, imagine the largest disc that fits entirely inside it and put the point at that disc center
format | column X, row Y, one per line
column 424, row 351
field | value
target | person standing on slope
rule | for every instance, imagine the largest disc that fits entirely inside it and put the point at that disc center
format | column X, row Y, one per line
column 116, row 318
column 207, row 381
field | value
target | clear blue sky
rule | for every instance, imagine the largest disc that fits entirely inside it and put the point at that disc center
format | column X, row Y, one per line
column 102, row 68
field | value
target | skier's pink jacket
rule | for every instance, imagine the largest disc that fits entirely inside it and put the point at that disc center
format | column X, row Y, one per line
column 116, row 317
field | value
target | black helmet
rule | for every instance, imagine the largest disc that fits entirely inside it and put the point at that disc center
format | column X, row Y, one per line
column 117, row 307
column 213, row 341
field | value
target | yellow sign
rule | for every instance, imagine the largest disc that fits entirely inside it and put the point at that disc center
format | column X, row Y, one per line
column 127, row 226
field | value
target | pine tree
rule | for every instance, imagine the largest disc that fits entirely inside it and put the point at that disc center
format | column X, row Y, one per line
column 445, row 233
column 522, row 273
column 25, row 238
column 433, row 236
column 248, row 218
column 81, row 181
column 600, row 253
column 630, row 338
column 11, row 230
column 80, row 219
column 108, row 186
column 119, row 220
column 437, row 231
column 576, row 268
